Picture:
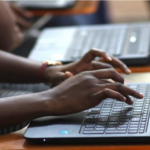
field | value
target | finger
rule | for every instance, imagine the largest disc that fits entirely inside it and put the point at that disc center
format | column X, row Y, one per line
column 107, row 74
column 117, row 63
column 61, row 76
column 22, row 12
column 100, row 65
column 108, row 93
column 68, row 74
column 122, row 89
column 129, row 100
column 22, row 22
column 93, row 53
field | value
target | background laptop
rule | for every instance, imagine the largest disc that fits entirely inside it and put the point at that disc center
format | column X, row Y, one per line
column 128, row 42
column 48, row 4
column 110, row 121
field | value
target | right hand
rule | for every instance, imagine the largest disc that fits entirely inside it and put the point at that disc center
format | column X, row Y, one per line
column 88, row 89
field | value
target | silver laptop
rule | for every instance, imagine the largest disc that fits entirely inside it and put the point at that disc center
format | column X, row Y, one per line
column 110, row 121
column 128, row 42
column 48, row 4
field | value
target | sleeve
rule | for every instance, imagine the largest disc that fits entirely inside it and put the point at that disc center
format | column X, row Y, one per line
column 14, row 128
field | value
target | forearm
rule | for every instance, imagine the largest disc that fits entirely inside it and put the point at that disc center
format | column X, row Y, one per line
column 18, row 109
column 15, row 69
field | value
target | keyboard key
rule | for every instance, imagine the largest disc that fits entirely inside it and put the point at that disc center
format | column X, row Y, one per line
column 132, row 131
column 122, row 126
column 113, row 123
column 113, row 118
column 112, row 126
column 100, row 126
column 110, row 129
column 135, row 119
column 88, row 129
column 99, row 129
column 123, row 123
column 134, row 123
column 124, row 120
column 121, row 129
column 102, row 123
column 133, row 126
column 98, row 132
column 115, row 132
column 104, row 113
column 95, row 110
column 88, row 132
column 103, row 119
column 90, row 125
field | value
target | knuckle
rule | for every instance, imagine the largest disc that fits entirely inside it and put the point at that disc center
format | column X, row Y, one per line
column 113, row 72
column 106, row 92
column 86, row 78
column 91, row 50
column 109, row 66
column 118, row 84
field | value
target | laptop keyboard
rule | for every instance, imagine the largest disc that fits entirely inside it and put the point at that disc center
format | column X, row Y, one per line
column 115, row 117
column 112, row 40
column 7, row 90
column 86, row 39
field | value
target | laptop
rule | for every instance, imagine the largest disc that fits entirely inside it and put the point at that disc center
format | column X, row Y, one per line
column 110, row 121
column 128, row 42
column 48, row 4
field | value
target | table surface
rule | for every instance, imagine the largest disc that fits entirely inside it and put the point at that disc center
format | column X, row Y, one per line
column 15, row 141
column 81, row 7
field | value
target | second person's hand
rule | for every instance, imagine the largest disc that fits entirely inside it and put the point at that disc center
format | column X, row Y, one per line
column 58, row 74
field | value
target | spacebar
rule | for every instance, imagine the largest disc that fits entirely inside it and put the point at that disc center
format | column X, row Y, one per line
column 115, row 132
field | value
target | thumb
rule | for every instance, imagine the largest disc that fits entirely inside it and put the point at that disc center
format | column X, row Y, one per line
column 61, row 76
column 68, row 74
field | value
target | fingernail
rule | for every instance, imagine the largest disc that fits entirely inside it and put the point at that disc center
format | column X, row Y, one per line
column 68, row 74
column 128, row 70
column 109, row 58
column 124, row 99
column 141, row 94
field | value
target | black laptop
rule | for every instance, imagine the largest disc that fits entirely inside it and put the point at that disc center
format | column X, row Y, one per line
column 110, row 121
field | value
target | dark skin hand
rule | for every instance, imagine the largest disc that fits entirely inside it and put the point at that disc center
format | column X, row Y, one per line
column 78, row 93
column 57, row 74
column 88, row 89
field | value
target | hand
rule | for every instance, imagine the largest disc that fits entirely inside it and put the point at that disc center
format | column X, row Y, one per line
column 87, row 90
column 58, row 74
column 20, row 15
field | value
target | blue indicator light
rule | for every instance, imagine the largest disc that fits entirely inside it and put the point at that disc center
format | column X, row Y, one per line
column 66, row 132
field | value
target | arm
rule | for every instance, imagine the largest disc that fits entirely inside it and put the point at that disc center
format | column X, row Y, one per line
column 76, row 94
column 15, row 69
column 18, row 69
column 10, row 34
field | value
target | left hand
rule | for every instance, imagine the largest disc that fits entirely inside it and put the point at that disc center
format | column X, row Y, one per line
column 57, row 74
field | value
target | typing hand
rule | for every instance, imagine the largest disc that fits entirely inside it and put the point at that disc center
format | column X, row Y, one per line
column 58, row 74
column 88, row 89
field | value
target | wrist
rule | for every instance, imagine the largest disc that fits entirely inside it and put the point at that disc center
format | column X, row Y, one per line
column 49, row 103
column 45, row 71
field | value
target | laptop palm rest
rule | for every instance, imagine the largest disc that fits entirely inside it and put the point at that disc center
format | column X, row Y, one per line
column 50, row 127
